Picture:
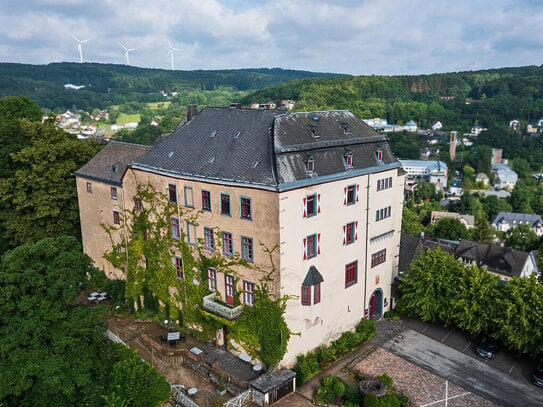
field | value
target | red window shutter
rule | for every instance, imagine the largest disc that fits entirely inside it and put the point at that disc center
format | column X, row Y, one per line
column 345, row 196
column 356, row 230
column 305, row 248
column 318, row 203
column 344, row 234
column 305, row 207
column 319, row 243
column 357, row 191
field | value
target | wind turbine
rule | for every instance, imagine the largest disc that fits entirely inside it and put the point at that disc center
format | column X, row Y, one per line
column 170, row 52
column 79, row 42
column 126, row 51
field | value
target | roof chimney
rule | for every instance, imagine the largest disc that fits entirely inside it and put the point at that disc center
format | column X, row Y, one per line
column 192, row 110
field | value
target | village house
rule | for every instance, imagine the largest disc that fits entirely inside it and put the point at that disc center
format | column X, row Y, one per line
column 503, row 262
column 504, row 221
column 467, row 220
column 315, row 199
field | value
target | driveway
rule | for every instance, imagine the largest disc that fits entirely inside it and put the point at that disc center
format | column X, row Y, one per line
column 464, row 370
column 518, row 365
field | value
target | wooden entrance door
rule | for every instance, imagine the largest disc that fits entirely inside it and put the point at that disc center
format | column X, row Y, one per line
column 229, row 283
column 372, row 306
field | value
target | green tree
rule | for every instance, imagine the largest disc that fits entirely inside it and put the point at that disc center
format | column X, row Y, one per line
column 449, row 228
column 139, row 383
column 492, row 205
column 520, row 324
column 39, row 199
column 19, row 107
column 433, row 287
column 476, row 307
column 51, row 346
column 522, row 237
column 411, row 223
column 483, row 232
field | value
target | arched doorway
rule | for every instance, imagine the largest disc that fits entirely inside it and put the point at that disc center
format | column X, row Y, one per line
column 375, row 307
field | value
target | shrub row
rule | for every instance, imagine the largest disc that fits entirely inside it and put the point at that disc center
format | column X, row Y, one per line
column 314, row 361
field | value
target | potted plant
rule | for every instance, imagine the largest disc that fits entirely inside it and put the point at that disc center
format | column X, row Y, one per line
column 221, row 387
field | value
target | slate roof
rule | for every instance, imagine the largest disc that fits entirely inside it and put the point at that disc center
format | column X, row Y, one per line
column 110, row 163
column 209, row 146
column 514, row 219
column 327, row 136
column 498, row 259
column 312, row 277
column 268, row 148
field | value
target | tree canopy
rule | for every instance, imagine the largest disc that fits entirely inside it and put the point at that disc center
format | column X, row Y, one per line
column 38, row 196
column 437, row 287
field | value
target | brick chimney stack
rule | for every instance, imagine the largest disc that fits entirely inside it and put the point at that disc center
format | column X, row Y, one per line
column 192, row 110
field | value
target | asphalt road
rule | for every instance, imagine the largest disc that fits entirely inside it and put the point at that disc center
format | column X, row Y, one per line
column 465, row 370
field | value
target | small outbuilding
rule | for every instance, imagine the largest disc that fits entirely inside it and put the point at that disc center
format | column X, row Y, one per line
column 271, row 387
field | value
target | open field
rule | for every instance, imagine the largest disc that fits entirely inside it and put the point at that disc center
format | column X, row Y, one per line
column 128, row 118
column 159, row 105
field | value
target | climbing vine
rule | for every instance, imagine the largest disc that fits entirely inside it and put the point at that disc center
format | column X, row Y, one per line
column 146, row 255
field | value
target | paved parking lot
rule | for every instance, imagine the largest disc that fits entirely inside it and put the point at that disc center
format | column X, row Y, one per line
column 513, row 363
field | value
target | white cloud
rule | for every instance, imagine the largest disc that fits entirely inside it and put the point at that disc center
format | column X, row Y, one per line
column 358, row 37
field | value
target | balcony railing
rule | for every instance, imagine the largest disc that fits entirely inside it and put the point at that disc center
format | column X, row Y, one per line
column 220, row 309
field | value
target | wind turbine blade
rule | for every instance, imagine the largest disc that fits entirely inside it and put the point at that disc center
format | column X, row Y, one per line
column 85, row 40
column 170, row 44
column 124, row 47
column 75, row 38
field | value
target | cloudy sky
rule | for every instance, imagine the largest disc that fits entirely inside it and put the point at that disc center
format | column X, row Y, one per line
column 360, row 37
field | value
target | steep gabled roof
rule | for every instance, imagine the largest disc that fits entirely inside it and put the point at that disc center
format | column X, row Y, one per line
column 498, row 259
column 110, row 163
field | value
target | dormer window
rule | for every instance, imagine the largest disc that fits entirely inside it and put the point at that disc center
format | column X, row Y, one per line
column 379, row 155
column 310, row 164
column 348, row 157
column 314, row 131
column 346, row 128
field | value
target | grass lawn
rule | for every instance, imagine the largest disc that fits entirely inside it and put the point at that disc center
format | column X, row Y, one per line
column 128, row 118
column 159, row 105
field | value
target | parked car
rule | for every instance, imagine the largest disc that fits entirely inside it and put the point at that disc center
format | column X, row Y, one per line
column 537, row 375
column 487, row 347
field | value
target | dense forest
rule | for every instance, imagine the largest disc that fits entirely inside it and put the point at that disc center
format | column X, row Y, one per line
column 458, row 100
column 108, row 84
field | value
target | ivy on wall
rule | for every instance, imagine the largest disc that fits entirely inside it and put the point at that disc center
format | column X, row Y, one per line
column 146, row 255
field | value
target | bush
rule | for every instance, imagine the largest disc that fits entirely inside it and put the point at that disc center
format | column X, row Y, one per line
column 366, row 329
column 115, row 290
column 306, row 367
column 313, row 362
column 338, row 388
column 387, row 380
column 392, row 315
column 371, row 400
column 352, row 395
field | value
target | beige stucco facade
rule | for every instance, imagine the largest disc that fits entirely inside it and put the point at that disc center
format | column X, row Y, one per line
column 96, row 208
column 345, row 246
column 341, row 307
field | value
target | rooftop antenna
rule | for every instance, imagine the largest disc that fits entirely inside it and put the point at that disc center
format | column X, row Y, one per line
column 170, row 52
column 126, row 51
column 79, row 49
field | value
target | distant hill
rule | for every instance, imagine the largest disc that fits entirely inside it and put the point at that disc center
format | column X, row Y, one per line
column 458, row 100
column 109, row 84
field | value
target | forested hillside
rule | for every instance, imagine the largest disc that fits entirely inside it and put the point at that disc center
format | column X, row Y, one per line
column 108, row 84
column 458, row 100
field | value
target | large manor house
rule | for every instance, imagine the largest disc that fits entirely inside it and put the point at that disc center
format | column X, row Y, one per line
column 313, row 200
